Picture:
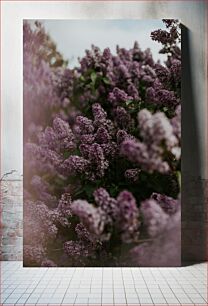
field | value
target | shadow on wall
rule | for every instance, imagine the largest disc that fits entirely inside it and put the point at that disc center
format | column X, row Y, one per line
column 193, row 216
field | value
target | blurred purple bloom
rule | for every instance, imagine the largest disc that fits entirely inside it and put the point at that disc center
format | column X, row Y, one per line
column 92, row 218
column 155, row 219
column 164, row 250
column 176, row 123
column 168, row 204
column 33, row 254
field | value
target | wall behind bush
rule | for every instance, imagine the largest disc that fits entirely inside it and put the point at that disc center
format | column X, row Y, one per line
column 11, row 220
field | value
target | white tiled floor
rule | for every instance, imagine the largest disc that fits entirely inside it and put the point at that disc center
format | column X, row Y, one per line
column 103, row 286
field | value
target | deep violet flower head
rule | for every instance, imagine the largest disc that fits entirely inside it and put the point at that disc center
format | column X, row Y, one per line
column 132, row 174
column 84, row 125
column 128, row 216
column 106, row 202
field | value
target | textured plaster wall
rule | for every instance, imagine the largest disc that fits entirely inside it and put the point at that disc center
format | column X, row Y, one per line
column 194, row 108
column 11, row 220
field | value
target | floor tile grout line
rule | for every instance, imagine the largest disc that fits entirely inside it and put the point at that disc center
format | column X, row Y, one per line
column 79, row 283
column 147, row 287
column 4, row 300
column 158, row 286
column 37, row 283
column 135, row 287
column 123, row 278
column 69, row 285
column 123, row 284
column 184, row 291
column 102, row 271
column 113, row 289
column 169, row 287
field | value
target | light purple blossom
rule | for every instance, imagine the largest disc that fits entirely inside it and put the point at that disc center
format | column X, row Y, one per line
column 92, row 218
column 135, row 151
column 155, row 219
column 156, row 128
column 42, row 191
column 168, row 204
column 176, row 122
column 41, row 159
column 164, row 250
column 156, row 131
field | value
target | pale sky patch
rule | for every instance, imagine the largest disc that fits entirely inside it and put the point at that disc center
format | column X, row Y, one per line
column 73, row 37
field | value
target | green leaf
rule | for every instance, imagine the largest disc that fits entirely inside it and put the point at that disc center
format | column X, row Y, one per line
column 89, row 190
column 82, row 78
column 93, row 77
column 106, row 81
column 128, row 102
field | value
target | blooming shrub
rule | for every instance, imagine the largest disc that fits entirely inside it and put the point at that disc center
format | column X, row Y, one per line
column 102, row 155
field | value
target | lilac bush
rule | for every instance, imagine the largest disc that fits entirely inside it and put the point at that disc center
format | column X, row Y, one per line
column 102, row 150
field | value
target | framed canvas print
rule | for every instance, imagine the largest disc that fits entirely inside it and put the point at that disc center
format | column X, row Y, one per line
column 102, row 142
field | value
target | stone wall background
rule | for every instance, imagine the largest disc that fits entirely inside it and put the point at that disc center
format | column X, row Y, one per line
column 11, row 220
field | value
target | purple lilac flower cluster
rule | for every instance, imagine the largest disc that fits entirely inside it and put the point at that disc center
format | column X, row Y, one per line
column 102, row 161
column 40, row 62
column 41, row 226
column 165, row 249
column 158, row 139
